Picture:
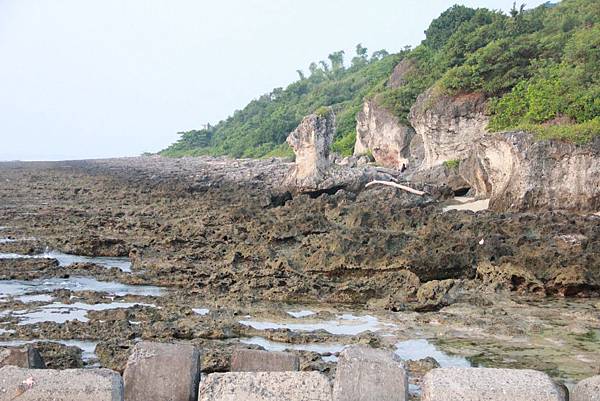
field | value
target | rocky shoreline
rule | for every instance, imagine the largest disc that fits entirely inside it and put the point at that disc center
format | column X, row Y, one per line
column 220, row 240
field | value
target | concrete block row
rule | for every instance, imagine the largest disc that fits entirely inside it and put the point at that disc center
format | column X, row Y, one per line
column 171, row 372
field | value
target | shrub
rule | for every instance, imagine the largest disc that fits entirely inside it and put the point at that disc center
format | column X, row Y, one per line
column 453, row 164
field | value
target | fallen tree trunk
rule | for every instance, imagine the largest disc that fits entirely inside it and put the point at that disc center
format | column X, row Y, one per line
column 399, row 186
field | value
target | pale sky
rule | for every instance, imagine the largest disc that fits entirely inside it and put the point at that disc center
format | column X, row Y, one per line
column 106, row 78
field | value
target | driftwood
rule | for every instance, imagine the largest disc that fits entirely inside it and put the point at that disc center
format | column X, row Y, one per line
column 399, row 186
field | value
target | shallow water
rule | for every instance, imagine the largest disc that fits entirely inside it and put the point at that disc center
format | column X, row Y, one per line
column 419, row 349
column 88, row 347
column 26, row 299
column 345, row 324
column 65, row 259
column 407, row 350
column 59, row 312
column 19, row 288
column 320, row 348
column 301, row 313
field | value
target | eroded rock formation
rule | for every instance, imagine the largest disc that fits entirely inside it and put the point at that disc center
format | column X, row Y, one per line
column 313, row 171
column 311, row 142
column 518, row 173
column 448, row 125
column 382, row 133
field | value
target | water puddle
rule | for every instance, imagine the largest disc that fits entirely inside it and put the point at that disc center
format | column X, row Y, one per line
column 346, row 324
column 16, row 288
column 60, row 313
column 65, row 259
column 88, row 348
column 27, row 299
column 320, row 348
column 420, row 349
column 301, row 314
column 7, row 240
column 201, row 311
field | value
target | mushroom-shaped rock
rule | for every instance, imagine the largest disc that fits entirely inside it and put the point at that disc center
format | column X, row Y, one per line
column 313, row 171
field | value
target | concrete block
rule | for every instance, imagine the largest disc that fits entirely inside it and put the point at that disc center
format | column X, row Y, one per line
column 250, row 360
column 162, row 372
column 23, row 357
column 476, row 384
column 368, row 374
column 265, row 386
column 60, row 385
column 587, row 390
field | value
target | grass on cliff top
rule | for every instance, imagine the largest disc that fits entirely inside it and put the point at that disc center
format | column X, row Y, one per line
column 575, row 133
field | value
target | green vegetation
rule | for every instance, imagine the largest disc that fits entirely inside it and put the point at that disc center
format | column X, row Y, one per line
column 453, row 164
column 575, row 133
column 538, row 67
column 263, row 125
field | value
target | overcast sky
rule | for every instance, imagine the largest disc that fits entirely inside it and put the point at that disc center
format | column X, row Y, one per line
column 100, row 78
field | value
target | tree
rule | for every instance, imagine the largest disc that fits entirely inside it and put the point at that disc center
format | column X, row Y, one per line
column 379, row 54
column 324, row 65
column 301, row 75
column 313, row 68
column 337, row 60
column 442, row 28
column 361, row 57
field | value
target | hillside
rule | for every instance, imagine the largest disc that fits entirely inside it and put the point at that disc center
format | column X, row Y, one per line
column 537, row 68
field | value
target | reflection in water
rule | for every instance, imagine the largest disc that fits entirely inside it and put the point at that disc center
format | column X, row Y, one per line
column 346, row 324
column 419, row 349
column 18, row 287
column 320, row 348
column 88, row 347
column 65, row 259
column 60, row 313
column 301, row 314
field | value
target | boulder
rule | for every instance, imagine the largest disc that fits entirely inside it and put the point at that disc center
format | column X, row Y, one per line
column 382, row 134
column 476, row 384
column 159, row 371
column 250, row 360
column 22, row 357
column 587, row 390
column 440, row 177
column 60, row 385
column 436, row 294
column 519, row 173
column 368, row 374
column 509, row 277
column 448, row 125
column 265, row 386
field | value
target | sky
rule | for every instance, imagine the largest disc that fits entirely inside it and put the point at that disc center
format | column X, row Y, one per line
column 108, row 78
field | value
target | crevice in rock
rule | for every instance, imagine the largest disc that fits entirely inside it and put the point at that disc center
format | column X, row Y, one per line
column 462, row 191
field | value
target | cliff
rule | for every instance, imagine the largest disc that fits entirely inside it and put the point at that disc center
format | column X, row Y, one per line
column 448, row 125
column 380, row 132
column 518, row 173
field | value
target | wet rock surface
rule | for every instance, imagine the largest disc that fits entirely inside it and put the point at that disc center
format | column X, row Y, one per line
column 221, row 243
